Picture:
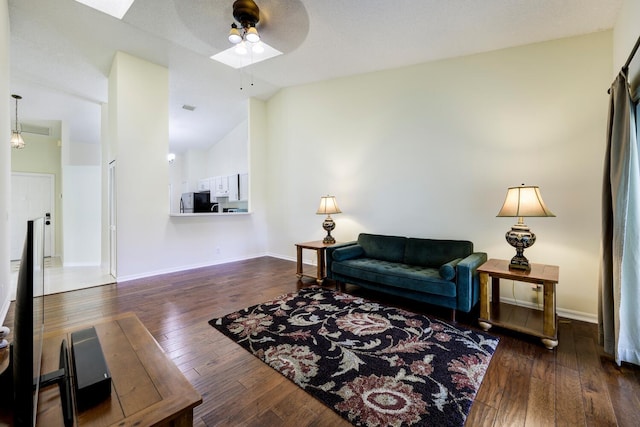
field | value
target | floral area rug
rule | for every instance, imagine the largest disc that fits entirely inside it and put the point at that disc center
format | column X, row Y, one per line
column 372, row 364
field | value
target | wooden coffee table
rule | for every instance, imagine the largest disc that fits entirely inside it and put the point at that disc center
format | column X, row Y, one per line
column 147, row 388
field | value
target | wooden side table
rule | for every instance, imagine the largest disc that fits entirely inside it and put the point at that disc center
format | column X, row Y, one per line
column 522, row 319
column 320, row 249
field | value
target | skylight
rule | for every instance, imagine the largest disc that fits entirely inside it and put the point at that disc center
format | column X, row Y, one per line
column 116, row 8
column 237, row 57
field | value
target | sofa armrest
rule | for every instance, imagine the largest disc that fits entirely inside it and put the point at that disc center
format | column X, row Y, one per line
column 331, row 249
column 468, row 282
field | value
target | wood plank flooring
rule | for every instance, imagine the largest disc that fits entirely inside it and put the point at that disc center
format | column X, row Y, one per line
column 526, row 385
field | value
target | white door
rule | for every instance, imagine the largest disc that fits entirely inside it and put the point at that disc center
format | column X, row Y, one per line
column 112, row 219
column 31, row 197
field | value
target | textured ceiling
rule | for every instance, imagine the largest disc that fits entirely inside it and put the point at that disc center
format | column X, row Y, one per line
column 61, row 51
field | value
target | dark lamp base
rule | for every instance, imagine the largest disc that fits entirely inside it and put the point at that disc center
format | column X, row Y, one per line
column 520, row 237
column 519, row 263
column 328, row 226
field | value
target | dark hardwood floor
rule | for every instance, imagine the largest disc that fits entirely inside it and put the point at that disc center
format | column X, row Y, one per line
column 526, row 385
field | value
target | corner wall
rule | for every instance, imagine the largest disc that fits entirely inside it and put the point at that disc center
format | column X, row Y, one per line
column 150, row 241
column 5, row 160
column 625, row 35
column 429, row 151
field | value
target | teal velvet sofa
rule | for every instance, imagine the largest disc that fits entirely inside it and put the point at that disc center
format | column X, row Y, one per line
column 439, row 272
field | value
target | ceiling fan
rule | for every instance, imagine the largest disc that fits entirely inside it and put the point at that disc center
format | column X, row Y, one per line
column 282, row 24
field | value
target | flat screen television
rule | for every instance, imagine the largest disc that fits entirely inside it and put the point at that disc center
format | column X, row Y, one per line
column 26, row 348
column 28, row 327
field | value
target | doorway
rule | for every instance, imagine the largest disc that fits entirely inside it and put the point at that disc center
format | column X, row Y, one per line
column 32, row 196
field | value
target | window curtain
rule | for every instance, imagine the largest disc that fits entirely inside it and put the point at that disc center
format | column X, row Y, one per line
column 619, row 298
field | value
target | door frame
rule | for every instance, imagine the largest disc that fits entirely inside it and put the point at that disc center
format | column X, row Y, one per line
column 112, row 215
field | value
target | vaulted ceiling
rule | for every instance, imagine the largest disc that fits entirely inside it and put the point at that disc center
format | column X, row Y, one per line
column 61, row 51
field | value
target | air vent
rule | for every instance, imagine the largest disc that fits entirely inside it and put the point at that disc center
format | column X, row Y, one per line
column 37, row 130
column 188, row 107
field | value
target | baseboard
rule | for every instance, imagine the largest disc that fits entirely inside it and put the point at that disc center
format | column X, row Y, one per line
column 562, row 312
column 130, row 277
column 81, row 264
column 5, row 309
column 286, row 258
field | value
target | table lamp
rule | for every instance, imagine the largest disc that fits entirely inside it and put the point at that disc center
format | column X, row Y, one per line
column 327, row 207
column 521, row 202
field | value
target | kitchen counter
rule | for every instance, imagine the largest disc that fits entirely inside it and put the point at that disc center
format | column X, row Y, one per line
column 199, row 214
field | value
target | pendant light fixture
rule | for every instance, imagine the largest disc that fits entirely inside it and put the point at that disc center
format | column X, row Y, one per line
column 16, row 137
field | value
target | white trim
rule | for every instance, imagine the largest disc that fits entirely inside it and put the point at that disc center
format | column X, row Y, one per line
column 184, row 268
column 562, row 312
column 5, row 308
column 81, row 264
column 567, row 313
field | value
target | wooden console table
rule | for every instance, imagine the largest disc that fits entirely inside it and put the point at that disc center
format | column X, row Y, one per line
column 146, row 389
column 522, row 319
column 320, row 249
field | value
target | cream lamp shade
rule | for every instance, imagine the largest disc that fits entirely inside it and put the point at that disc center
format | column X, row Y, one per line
column 520, row 202
column 524, row 201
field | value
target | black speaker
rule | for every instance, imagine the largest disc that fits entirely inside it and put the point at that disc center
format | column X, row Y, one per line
column 93, row 380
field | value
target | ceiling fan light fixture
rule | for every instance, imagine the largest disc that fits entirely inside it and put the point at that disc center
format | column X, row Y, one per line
column 247, row 13
column 252, row 35
column 234, row 34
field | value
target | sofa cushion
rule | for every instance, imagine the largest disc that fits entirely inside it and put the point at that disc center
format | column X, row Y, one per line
column 448, row 270
column 434, row 252
column 385, row 248
column 347, row 252
column 416, row 278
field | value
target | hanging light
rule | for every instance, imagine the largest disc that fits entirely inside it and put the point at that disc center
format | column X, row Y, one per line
column 16, row 137
column 234, row 34
column 252, row 35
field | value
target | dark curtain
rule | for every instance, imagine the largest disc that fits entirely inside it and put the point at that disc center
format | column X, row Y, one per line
column 619, row 297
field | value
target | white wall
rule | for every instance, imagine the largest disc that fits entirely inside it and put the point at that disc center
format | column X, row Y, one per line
column 82, row 215
column 230, row 155
column 81, row 200
column 194, row 168
column 429, row 151
column 5, row 161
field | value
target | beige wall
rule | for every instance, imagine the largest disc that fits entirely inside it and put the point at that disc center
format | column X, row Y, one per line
column 429, row 151
column 139, row 137
column 5, row 160
column 625, row 35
